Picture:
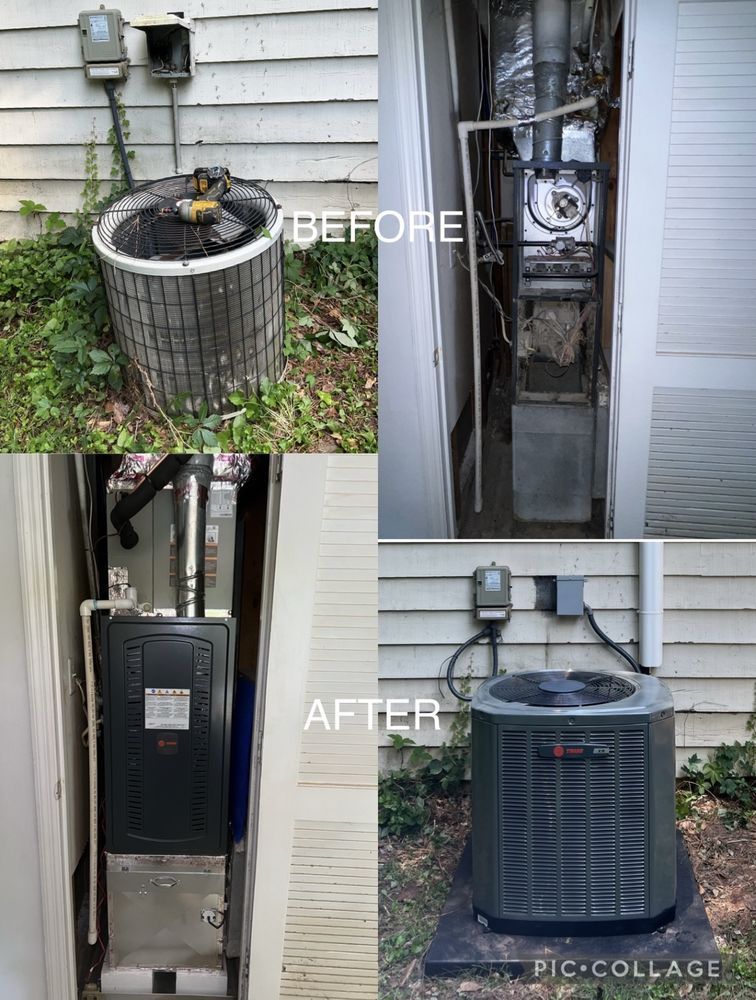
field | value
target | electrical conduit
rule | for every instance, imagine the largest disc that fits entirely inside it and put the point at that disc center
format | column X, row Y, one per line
column 85, row 610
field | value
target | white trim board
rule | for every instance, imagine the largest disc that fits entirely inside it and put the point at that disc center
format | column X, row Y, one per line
column 37, row 576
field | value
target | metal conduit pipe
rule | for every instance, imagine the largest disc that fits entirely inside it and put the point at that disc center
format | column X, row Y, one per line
column 551, row 64
column 191, row 488
column 463, row 130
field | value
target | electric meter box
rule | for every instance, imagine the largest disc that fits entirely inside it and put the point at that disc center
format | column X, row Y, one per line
column 170, row 44
column 102, row 36
column 493, row 593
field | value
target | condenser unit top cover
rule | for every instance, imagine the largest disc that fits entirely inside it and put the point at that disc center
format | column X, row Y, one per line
column 141, row 224
column 573, row 801
column 544, row 695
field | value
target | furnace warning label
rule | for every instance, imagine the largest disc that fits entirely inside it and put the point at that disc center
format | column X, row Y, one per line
column 166, row 708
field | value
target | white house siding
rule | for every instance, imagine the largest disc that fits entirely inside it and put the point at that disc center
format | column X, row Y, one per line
column 425, row 595
column 314, row 920
column 285, row 93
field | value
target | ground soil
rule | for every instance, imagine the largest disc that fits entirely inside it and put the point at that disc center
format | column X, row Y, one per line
column 416, row 872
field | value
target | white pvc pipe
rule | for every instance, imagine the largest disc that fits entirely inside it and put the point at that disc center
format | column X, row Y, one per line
column 463, row 130
column 451, row 46
column 85, row 610
column 651, row 603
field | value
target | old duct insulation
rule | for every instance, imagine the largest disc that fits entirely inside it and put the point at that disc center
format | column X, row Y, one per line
column 589, row 74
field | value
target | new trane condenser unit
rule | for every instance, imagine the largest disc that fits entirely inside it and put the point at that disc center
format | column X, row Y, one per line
column 573, row 803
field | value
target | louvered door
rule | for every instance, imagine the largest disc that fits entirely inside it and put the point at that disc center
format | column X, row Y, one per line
column 683, row 461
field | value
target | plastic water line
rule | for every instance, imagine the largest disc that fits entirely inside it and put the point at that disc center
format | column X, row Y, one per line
column 85, row 610
column 651, row 604
column 464, row 129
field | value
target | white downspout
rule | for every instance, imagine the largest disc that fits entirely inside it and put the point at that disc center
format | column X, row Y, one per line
column 85, row 610
column 651, row 604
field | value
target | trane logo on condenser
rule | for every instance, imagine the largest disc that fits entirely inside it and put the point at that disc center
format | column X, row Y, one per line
column 575, row 751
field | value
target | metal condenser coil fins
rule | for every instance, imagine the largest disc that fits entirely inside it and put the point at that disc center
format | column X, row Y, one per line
column 198, row 308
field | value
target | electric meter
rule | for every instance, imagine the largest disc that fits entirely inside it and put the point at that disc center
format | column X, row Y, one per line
column 102, row 44
column 493, row 593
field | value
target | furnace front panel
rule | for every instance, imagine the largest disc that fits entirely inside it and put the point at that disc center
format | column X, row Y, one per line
column 168, row 687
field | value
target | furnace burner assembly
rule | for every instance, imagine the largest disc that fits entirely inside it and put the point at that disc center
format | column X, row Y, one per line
column 193, row 272
column 168, row 649
column 548, row 81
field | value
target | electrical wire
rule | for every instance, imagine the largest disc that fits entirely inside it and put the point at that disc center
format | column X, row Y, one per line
column 110, row 88
column 488, row 630
column 610, row 642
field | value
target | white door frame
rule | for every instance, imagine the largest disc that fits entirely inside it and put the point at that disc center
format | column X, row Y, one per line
column 647, row 80
column 272, row 511
column 31, row 476
column 648, row 73
column 410, row 328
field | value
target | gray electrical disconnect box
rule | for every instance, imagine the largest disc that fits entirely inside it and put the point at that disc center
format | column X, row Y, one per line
column 170, row 44
column 569, row 595
column 102, row 43
column 493, row 597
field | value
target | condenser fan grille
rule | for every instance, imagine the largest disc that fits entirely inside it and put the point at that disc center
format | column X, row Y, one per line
column 562, row 688
column 142, row 226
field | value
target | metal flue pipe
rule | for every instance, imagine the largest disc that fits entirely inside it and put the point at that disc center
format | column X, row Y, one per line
column 191, row 488
column 551, row 64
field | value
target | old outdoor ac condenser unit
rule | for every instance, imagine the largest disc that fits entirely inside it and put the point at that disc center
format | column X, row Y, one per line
column 198, row 308
column 573, row 803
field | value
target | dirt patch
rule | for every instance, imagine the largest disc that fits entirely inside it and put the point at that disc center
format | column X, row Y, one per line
column 723, row 861
column 415, row 874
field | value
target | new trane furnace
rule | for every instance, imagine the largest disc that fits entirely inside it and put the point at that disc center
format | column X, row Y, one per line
column 168, row 684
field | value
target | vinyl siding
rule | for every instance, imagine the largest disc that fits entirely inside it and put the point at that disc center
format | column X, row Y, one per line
column 333, row 893
column 709, row 665
column 285, row 93
column 314, row 919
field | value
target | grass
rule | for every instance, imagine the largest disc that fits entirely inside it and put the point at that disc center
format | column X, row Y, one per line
column 64, row 386
column 416, row 872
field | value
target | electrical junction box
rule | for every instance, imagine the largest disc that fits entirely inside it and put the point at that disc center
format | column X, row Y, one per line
column 168, row 692
column 493, row 593
column 569, row 595
column 102, row 44
column 170, row 44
